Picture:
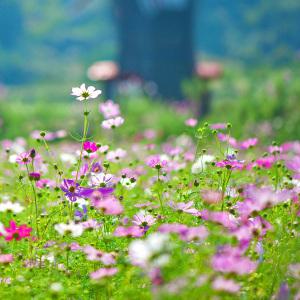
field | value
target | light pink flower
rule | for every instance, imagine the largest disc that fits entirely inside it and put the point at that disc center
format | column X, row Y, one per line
column 102, row 273
column 191, row 122
column 226, row 285
column 112, row 123
column 131, row 231
column 109, row 109
column 6, row 258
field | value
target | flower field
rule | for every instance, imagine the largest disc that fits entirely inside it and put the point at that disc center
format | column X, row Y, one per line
column 201, row 216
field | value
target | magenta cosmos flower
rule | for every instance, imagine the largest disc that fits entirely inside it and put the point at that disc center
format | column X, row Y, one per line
column 16, row 232
column 90, row 147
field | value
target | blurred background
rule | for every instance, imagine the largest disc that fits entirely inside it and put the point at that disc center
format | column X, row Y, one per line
column 214, row 60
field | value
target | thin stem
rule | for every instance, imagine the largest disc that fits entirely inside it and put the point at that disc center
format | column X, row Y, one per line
column 35, row 202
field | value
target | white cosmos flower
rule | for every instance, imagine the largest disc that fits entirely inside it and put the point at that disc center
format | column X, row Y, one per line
column 151, row 252
column 68, row 158
column 112, row 123
column 83, row 93
column 128, row 183
column 101, row 179
column 71, row 228
column 201, row 163
column 9, row 206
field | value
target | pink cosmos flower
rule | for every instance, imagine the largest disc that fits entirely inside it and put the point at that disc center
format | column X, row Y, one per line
column 232, row 164
column 211, row 197
column 132, row 231
column 194, row 233
column 102, row 273
column 90, row 147
column 184, row 207
column 117, row 155
column 247, row 143
column 109, row 109
column 112, row 123
column 253, row 227
column 156, row 162
column 223, row 218
column 191, row 122
column 45, row 183
column 226, row 285
column 24, row 158
column 97, row 255
column 91, row 224
column 6, row 258
column 230, row 260
column 109, row 205
column 258, row 199
column 143, row 219
column 274, row 149
column 226, row 138
column 218, row 126
column 185, row 233
column 15, row 232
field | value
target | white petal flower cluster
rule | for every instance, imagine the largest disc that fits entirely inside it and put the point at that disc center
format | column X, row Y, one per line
column 152, row 252
column 128, row 183
column 83, row 93
column 71, row 228
column 9, row 206
column 201, row 163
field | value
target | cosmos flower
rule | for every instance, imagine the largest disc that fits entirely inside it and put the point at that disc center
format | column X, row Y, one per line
column 9, row 206
column 24, row 158
column 201, row 163
column 16, row 232
column 225, row 285
column 6, row 258
column 102, row 273
column 191, row 122
column 131, row 231
column 116, row 156
column 142, row 218
column 45, row 183
column 83, row 93
column 109, row 205
column 156, row 162
column 230, row 260
column 112, row 123
column 75, row 230
column 101, row 179
column 184, row 207
column 109, row 109
column 90, row 147
column 73, row 190
column 152, row 252
column 128, row 183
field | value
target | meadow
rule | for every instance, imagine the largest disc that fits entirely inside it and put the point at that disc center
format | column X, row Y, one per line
column 105, row 199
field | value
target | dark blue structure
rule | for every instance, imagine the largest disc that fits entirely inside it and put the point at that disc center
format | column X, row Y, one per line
column 156, row 41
